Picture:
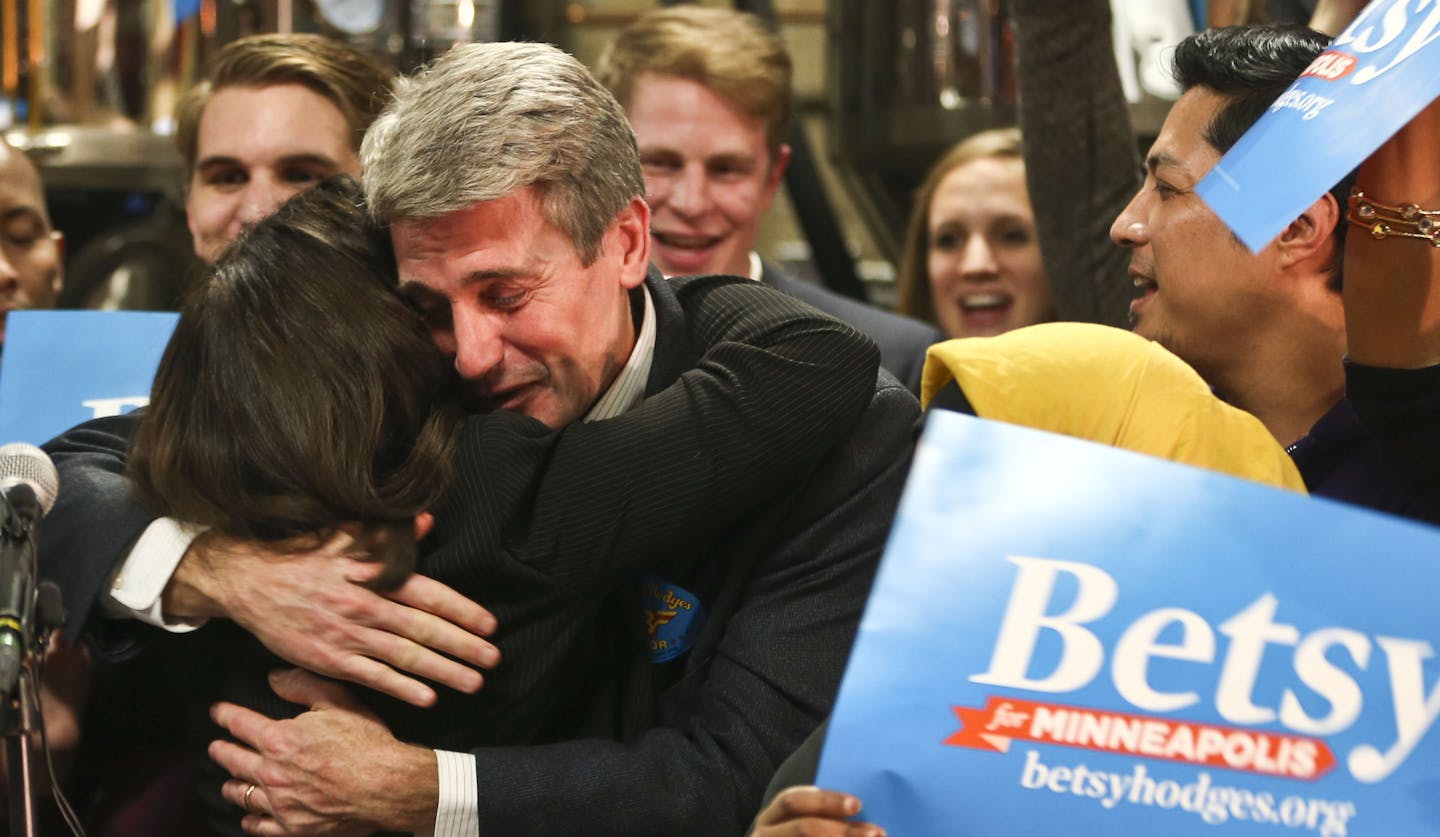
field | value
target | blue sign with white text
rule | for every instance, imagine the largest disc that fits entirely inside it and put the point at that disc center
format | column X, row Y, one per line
column 61, row 368
column 1069, row 639
column 1380, row 72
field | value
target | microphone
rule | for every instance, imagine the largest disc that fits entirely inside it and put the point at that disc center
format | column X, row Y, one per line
column 28, row 484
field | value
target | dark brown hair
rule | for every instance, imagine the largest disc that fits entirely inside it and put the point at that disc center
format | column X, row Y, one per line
column 299, row 391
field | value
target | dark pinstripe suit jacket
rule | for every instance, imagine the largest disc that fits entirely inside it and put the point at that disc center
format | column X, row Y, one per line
column 902, row 340
column 700, row 736
column 538, row 552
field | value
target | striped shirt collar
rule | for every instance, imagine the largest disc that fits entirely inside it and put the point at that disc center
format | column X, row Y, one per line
column 628, row 388
column 757, row 267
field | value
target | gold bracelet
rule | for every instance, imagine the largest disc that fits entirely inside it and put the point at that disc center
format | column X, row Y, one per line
column 1385, row 221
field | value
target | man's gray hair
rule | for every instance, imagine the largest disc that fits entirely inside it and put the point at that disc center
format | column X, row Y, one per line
column 488, row 119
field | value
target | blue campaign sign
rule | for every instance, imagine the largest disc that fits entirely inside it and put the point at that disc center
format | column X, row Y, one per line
column 60, row 368
column 1373, row 79
column 1070, row 639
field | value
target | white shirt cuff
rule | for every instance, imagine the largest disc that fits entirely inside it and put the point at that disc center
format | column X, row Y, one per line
column 136, row 589
column 458, row 814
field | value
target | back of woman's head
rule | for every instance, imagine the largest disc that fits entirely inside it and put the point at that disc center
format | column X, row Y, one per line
column 299, row 391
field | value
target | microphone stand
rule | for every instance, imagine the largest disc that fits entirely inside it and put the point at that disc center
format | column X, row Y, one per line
column 17, row 750
column 18, row 703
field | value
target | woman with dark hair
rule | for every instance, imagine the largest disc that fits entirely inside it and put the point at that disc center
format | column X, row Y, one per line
column 299, row 391
column 301, row 395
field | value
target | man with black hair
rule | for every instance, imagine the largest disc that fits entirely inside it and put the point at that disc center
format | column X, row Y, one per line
column 1267, row 330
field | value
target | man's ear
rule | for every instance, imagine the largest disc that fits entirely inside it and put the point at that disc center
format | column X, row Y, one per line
column 632, row 231
column 778, row 168
column 1312, row 235
column 424, row 522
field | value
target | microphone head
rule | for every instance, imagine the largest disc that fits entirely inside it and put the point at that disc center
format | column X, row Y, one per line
column 24, row 463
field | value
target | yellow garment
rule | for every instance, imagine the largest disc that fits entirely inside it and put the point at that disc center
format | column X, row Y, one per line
column 1109, row 386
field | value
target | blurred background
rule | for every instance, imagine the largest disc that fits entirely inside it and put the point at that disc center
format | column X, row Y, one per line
column 882, row 87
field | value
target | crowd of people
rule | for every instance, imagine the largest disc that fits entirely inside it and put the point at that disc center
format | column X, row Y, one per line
column 492, row 483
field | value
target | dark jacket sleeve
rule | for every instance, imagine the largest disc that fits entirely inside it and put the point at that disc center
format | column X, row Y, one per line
column 771, row 680
column 778, row 385
column 1400, row 409
column 800, row 767
column 95, row 522
column 902, row 340
column 1081, row 162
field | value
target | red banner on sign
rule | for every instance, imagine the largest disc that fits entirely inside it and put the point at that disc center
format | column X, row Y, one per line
column 1004, row 719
